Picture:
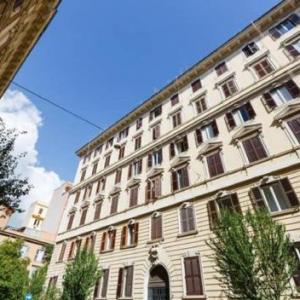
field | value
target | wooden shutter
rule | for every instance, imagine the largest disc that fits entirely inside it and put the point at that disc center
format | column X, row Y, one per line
column 275, row 33
column 129, row 171
column 257, row 198
column 83, row 216
column 295, row 127
column 71, row 219
column 135, row 233
column 62, row 252
column 96, row 289
column 215, row 127
column 103, row 241
column 105, row 283
column 212, row 213
column 250, row 110
column 289, row 191
column 124, row 236
column 174, row 181
column 185, row 176
column 148, row 191
column 113, row 239
column 156, row 227
column 269, row 101
column 292, row 88
column 157, row 187
column 172, row 150
column 235, row 203
column 93, row 242
column 193, row 276
column 129, row 281
column 230, row 122
column 184, row 219
column 199, row 137
column 191, row 218
column 71, row 251
column 120, row 283
column 292, row 51
column 185, row 143
column 149, row 161
column 98, row 211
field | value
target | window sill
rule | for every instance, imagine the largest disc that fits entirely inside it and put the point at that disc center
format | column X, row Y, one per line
column 107, row 251
column 285, row 212
column 125, row 298
column 128, row 247
column 199, row 297
column 183, row 234
column 155, row 241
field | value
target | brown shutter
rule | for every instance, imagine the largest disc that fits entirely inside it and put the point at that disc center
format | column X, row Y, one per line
column 292, row 51
column 113, row 239
column 62, row 252
column 269, row 101
column 188, row 276
column 103, row 240
column 149, row 162
column 98, row 211
column 157, row 187
column 235, row 203
column 135, row 233
column 159, row 227
column 193, row 276
column 172, row 150
column 250, row 110
column 129, row 281
column 293, row 88
column 191, row 218
column 174, row 181
column 230, row 122
column 93, row 242
column 184, row 219
column 129, row 171
column 215, row 127
column 199, row 138
column 148, row 191
column 185, row 143
column 71, row 252
column 105, row 283
column 185, row 175
column 120, row 283
column 289, row 191
column 96, row 289
column 257, row 199
column 71, row 219
column 212, row 213
column 123, row 236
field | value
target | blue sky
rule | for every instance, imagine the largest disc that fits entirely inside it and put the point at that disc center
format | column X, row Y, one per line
column 101, row 58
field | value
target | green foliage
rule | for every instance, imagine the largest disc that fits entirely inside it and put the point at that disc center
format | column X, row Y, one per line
column 12, row 187
column 52, row 293
column 80, row 276
column 13, row 271
column 37, row 282
column 253, row 255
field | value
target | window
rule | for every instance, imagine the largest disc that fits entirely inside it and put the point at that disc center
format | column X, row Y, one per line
column 156, row 132
column 254, row 149
column 71, row 220
column 125, row 282
column 39, row 256
column 155, row 158
column 284, row 26
column 121, row 151
column 40, row 211
column 107, row 161
column 221, row 68
column 135, row 168
column 36, row 223
column 180, row 178
column 62, row 251
column 153, row 189
column 52, row 282
column 239, row 116
column 95, row 166
column 214, row 207
column 108, row 240
column 71, row 250
column 156, row 227
column 83, row 216
column 118, row 176
column 263, row 68
column 24, row 251
column 280, row 95
column 98, row 150
column 297, row 273
column 174, row 99
column 77, row 196
column 114, row 204
column 229, row 87
column 276, row 196
column 123, row 134
column 187, row 218
column 109, row 143
column 250, row 49
column 100, row 290
column 133, row 195
column 193, row 280
column 207, row 132
column 293, row 49
column 83, row 173
column 176, row 119
column 200, row 105
column 179, row 147
column 101, row 185
column 156, row 112
column 294, row 125
column 196, row 85
column 97, row 213
column 214, row 164
column 138, row 142
column 129, row 236
column 139, row 123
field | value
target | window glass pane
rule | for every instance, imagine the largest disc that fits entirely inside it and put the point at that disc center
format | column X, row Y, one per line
column 296, row 45
column 270, row 199
column 244, row 114
column 281, row 95
column 280, row 197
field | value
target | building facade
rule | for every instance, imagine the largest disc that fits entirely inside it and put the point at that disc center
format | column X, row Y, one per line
column 21, row 24
column 148, row 190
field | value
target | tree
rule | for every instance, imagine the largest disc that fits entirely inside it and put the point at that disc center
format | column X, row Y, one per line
column 13, row 271
column 80, row 276
column 12, row 187
column 253, row 256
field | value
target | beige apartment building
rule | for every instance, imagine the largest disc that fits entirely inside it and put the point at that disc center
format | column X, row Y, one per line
column 226, row 133
column 22, row 22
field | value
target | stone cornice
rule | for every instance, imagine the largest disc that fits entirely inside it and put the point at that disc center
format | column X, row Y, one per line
column 247, row 34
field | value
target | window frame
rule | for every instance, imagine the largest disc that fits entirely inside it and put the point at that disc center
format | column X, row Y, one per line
column 185, row 206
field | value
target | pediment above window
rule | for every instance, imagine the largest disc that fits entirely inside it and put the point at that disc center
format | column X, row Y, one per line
column 246, row 130
column 155, row 172
column 180, row 161
column 221, row 194
column 133, row 182
column 209, row 147
column 288, row 111
column 72, row 210
column 115, row 190
column 85, row 204
column 99, row 198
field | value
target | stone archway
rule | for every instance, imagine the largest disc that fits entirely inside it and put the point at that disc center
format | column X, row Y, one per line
column 158, row 286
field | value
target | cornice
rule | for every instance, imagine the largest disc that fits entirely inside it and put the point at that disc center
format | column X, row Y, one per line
column 247, row 34
column 214, row 111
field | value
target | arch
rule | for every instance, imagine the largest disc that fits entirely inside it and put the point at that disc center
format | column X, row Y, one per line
column 158, row 284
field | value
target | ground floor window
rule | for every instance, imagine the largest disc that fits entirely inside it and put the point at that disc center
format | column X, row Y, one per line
column 125, row 282
column 193, row 278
